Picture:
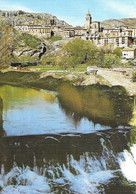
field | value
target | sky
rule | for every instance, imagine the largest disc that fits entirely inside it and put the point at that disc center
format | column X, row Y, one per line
column 74, row 11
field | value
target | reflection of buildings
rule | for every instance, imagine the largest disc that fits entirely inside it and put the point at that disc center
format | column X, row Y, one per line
column 121, row 36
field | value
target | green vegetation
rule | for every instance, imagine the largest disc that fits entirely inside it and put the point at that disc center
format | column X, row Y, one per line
column 111, row 60
column 22, row 59
column 48, row 60
column 27, row 40
column 7, row 34
column 10, row 40
column 53, row 38
column 117, row 51
column 77, row 52
column 44, row 68
column 130, row 62
column 134, row 77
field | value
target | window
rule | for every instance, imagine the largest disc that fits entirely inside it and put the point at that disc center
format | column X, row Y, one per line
column 123, row 40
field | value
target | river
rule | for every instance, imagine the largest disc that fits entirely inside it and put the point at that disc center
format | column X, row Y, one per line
column 77, row 140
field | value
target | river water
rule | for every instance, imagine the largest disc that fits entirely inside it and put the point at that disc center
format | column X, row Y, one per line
column 79, row 140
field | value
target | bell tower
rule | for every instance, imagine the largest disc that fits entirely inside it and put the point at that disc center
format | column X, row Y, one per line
column 88, row 21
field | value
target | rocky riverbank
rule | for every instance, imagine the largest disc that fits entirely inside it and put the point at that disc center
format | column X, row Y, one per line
column 51, row 80
column 110, row 77
column 116, row 77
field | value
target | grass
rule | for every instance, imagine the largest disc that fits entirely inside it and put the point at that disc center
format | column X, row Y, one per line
column 42, row 68
column 55, row 38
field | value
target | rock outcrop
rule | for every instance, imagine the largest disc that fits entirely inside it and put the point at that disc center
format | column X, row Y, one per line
column 130, row 22
column 31, row 52
column 24, row 18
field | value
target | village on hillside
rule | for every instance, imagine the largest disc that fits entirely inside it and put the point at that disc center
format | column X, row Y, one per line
column 123, row 36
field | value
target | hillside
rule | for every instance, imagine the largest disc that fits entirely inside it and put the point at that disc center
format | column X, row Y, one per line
column 130, row 22
column 21, row 17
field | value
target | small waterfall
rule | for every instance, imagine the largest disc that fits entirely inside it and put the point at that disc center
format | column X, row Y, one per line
column 77, row 164
column 85, row 175
column 24, row 180
column 128, row 164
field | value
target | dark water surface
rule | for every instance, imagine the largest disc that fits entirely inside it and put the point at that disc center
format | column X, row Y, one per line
column 78, row 140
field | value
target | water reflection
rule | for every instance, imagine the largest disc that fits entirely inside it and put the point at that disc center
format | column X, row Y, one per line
column 76, row 110
column 57, row 158
column 15, row 96
column 2, row 131
column 104, row 105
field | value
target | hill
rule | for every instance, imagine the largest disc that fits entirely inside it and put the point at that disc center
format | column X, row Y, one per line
column 21, row 17
column 130, row 22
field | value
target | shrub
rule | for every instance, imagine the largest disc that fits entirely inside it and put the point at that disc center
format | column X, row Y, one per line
column 27, row 40
column 111, row 60
column 117, row 51
column 134, row 77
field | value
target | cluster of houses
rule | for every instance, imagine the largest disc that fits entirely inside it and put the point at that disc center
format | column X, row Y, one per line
column 122, row 36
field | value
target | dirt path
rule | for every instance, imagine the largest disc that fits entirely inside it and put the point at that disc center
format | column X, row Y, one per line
column 121, row 77
column 113, row 77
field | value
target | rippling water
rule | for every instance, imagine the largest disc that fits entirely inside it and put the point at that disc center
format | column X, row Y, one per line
column 74, row 141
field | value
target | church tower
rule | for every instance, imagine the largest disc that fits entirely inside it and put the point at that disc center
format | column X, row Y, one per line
column 88, row 21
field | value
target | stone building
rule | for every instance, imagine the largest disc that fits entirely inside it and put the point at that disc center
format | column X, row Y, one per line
column 45, row 32
column 121, row 37
column 95, row 27
column 80, row 31
column 88, row 21
column 68, row 32
column 116, row 41
column 90, row 26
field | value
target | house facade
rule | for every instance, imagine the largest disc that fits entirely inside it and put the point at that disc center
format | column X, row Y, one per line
column 129, row 53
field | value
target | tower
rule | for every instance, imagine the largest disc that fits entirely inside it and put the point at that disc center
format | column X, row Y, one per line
column 88, row 21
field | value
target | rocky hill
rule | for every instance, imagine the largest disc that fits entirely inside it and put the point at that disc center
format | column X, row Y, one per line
column 130, row 22
column 21, row 17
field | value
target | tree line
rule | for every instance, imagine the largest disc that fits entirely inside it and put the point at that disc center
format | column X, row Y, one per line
column 77, row 52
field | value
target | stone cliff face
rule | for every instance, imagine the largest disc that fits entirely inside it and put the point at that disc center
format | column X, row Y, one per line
column 31, row 52
column 22, row 18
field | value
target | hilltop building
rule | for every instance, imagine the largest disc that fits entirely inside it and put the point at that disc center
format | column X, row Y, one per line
column 92, row 30
column 88, row 21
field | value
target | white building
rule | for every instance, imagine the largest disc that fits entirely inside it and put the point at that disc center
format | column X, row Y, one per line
column 129, row 53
